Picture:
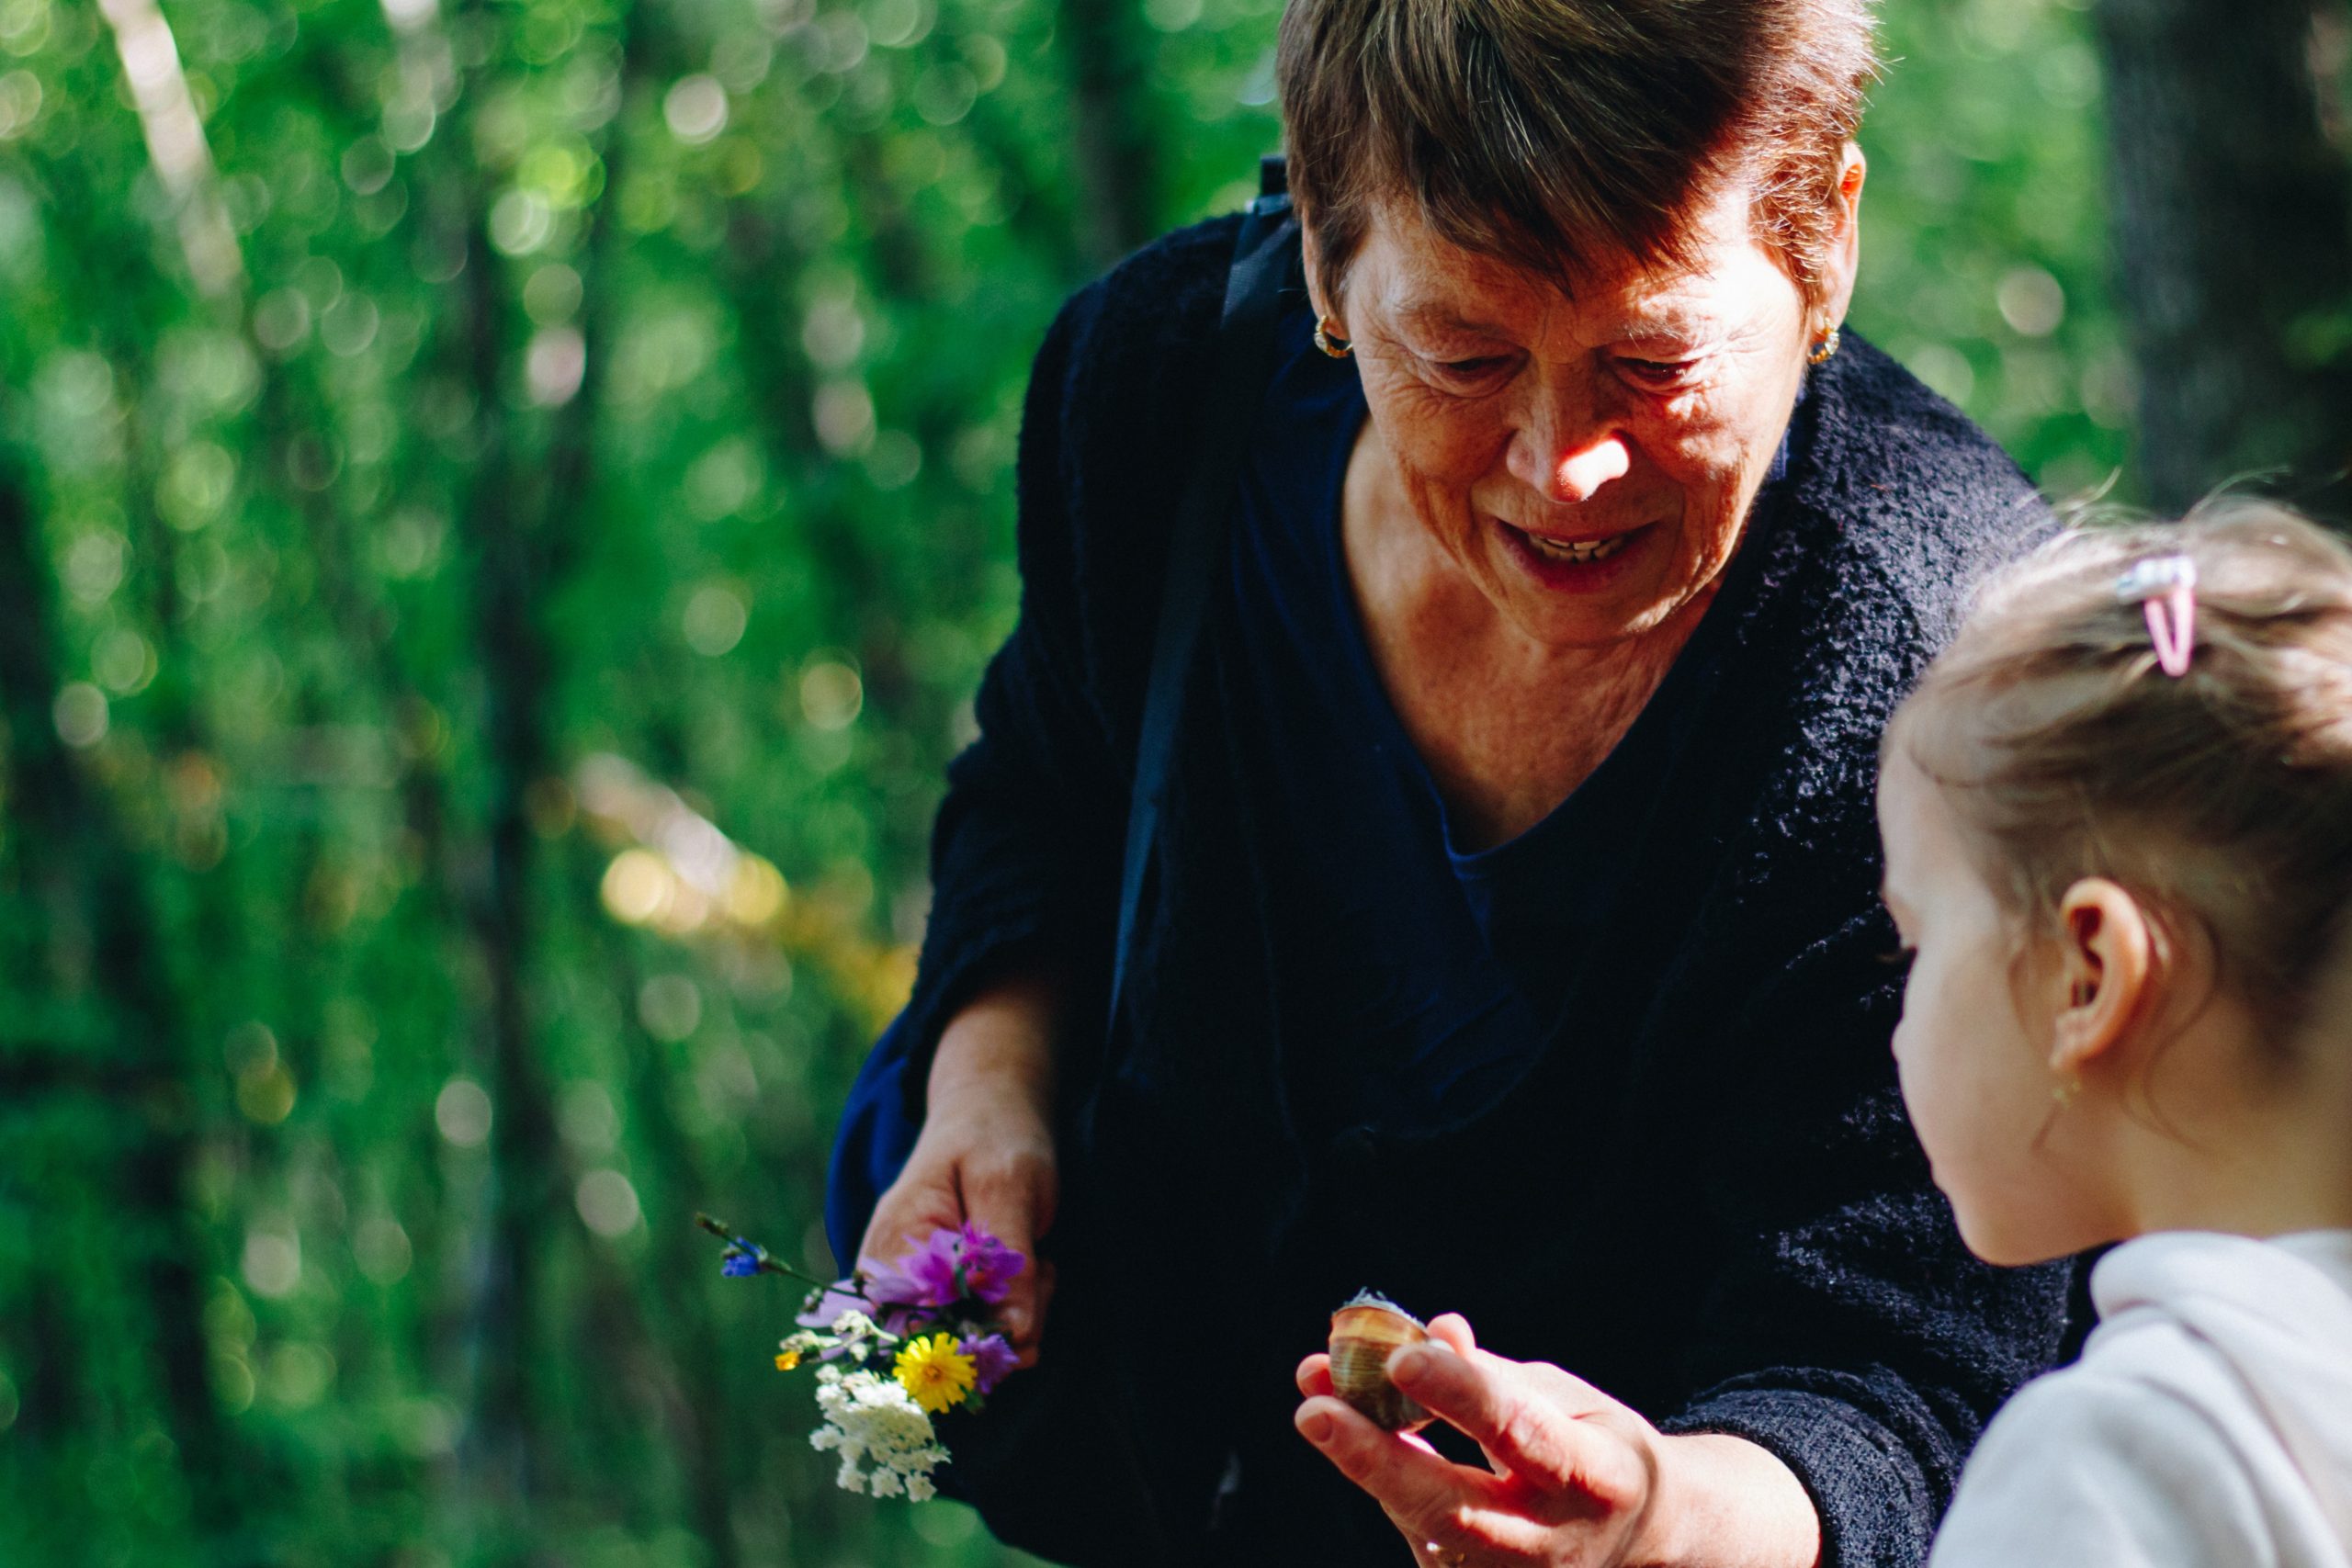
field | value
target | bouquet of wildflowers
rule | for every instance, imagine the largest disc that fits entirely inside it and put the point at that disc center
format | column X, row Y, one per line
column 895, row 1344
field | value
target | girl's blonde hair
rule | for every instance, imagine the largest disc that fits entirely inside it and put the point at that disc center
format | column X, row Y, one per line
column 2221, row 798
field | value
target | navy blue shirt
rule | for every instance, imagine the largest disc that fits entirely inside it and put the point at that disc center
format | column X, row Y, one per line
column 1431, row 977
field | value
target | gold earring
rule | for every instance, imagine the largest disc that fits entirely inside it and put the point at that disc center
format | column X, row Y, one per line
column 1330, row 341
column 1826, row 350
column 2064, row 1091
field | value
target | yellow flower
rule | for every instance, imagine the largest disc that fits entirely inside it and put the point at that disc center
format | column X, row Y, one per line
column 787, row 1362
column 935, row 1372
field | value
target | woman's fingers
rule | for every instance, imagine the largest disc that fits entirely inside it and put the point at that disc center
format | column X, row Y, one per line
column 1314, row 1375
column 1454, row 1329
column 1467, row 1513
column 1412, row 1480
column 922, row 1200
column 1526, row 1422
column 1010, row 1194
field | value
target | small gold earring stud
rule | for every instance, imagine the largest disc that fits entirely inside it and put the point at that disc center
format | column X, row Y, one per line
column 1329, row 340
column 2064, row 1091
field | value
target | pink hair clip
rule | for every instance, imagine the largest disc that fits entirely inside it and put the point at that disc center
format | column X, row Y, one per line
column 2166, row 587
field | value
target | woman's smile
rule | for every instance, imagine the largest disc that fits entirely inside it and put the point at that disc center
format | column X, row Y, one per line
column 1568, row 565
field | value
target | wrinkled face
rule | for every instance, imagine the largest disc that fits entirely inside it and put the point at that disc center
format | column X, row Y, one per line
column 1976, row 1080
column 1586, row 458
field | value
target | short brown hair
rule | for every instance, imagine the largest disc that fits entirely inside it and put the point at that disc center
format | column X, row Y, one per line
column 2222, row 798
column 1554, row 133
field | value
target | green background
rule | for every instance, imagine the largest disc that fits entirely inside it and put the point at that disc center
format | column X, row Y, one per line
column 338, row 563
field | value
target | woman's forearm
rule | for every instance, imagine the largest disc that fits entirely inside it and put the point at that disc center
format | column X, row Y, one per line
column 999, row 1045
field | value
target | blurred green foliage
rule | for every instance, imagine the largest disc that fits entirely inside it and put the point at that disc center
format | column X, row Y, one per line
column 492, row 487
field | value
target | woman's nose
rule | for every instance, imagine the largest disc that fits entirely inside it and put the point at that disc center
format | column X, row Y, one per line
column 1576, row 474
column 1566, row 473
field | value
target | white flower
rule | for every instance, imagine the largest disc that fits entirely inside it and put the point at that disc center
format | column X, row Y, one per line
column 871, row 1420
column 854, row 1325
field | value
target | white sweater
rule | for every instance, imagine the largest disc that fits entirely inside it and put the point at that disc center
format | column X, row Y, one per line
column 2208, row 1424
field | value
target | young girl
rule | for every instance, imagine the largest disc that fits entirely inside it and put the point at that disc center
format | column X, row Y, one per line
column 2118, row 816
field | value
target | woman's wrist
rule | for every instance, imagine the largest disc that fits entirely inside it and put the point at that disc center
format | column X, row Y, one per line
column 1720, row 1501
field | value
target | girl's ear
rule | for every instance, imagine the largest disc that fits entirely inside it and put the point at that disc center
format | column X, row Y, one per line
column 2108, row 952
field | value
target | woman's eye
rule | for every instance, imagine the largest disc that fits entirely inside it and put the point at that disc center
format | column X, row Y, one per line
column 1659, row 375
column 1483, row 367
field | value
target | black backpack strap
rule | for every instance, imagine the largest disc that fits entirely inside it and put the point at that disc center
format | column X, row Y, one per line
column 1245, row 363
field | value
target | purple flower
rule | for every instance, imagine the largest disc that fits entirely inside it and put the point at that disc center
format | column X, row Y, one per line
column 900, row 1286
column 988, row 1265
column 739, row 1265
column 963, row 1264
column 991, row 1358
column 931, row 1268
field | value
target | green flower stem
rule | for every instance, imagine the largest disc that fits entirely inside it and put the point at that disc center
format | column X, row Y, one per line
column 770, row 1264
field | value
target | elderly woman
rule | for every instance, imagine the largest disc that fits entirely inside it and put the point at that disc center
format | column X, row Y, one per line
column 1510, row 940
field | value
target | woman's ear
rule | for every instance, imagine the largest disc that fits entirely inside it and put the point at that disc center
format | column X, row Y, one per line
column 1310, row 255
column 1845, row 255
column 2105, row 954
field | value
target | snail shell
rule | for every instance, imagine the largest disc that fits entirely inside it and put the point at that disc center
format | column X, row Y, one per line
column 1363, row 1333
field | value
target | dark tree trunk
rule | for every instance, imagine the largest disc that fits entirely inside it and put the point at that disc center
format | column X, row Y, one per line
column 74, row 859
column 520, row 529
column 2233, row 212
column 1118, row 167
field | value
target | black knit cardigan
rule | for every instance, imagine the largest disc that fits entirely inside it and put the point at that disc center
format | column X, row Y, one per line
column 1705, row 1198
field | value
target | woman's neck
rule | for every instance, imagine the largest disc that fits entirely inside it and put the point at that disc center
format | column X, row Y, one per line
column 1508, row 726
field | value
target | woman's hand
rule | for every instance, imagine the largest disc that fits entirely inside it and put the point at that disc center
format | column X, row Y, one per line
column 1578, row 1480
column 986, row 1151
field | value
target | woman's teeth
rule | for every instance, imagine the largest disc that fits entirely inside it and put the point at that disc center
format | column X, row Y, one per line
column 1584, row 552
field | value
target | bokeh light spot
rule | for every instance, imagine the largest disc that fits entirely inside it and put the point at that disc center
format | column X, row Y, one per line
column 94, row 566
column 80, row 714
column 2031, row 301
column 696, row 109
column 843, row 415
column 272, row 1262
column 899, row 24
column 21, row 98
column 462, row 1111
column 944, row 93
column 715, row 620
column 266, row 1097
column 755, row 892
column 382, row 1250
column 831, row 695
column 638, row 888
column 607, row 1203
column 521, row 221
column 299, row 1375
column 555, row 364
